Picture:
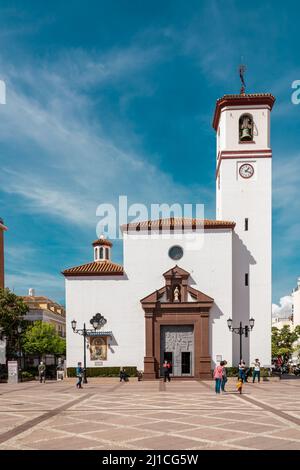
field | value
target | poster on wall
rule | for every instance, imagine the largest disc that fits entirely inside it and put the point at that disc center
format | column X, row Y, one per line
column 98, row 348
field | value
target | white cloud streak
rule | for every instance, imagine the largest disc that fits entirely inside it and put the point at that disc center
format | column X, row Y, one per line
column 69, row 164
column 284, row 309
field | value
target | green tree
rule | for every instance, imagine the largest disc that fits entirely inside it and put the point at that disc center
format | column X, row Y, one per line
column 41, row 338
column 283, row 340
column 12, row 312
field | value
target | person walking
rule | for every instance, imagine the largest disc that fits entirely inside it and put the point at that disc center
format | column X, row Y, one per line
column 166, row 371
column 42, row 372
column 242, row 368
column 247, row 372
column 224, row 375
column 169, row 370
column 123, row 375
column 256, row 370
column 218, row 374
column 79, row 375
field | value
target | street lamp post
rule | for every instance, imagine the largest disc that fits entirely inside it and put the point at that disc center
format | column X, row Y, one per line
column 19, row 330
column 3, row 338
column 97, row 321
column 241, row 330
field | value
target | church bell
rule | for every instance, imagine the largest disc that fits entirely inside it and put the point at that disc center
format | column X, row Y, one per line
column 246, row 134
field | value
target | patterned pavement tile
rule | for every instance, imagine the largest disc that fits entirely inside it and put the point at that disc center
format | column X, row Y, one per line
column 37, row 435
column 167, row 442
column 118, row 434
column 65, row 443
column 80, row 427
column 211, row 434
column 164, row 415
column 167, row 426
column 139, row 415
column 254, row 428
column 288, row 433
column 266, row 443
column 202, row 420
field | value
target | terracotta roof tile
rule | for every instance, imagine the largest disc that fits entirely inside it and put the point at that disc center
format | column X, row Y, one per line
column 177, row 223
column 243, row 96
column 96, row 268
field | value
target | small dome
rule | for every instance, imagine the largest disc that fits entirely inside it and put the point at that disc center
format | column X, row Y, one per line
column 102, row 248
column 102, row 241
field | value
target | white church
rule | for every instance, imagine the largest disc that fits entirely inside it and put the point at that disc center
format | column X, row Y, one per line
column 169, row 301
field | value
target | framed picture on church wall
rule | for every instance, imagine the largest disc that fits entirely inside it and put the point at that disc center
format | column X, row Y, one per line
column 98, row 348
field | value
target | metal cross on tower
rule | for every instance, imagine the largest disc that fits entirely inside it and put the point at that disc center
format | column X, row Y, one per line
column 242, row 70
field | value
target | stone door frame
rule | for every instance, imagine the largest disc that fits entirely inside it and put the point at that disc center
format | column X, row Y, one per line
column 161, row 310
column 200, row 322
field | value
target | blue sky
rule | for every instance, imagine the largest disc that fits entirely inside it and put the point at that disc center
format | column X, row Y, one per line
column 107, row 98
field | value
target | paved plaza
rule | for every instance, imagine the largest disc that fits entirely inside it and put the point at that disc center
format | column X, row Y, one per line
column 110, row 415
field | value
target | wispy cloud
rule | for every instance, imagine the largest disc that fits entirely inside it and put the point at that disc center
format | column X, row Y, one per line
column 286, row 182
column 70, row 165
column 43, row 283
column 284, row 309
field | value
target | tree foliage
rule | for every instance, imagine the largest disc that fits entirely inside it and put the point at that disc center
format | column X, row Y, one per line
column 283, row 341
column 12, row 312
column 42, row 338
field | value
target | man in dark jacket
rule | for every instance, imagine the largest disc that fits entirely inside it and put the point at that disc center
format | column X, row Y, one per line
column 42, row 372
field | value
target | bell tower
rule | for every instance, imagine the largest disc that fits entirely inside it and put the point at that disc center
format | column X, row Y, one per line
column 244, row 195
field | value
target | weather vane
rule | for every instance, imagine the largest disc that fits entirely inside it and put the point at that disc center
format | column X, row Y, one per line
column 242, row 70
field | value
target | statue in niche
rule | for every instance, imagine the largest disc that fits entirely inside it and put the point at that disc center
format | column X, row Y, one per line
column 246, row 128
column 176, row 294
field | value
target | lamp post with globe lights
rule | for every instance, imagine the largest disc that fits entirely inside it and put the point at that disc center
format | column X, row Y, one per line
column 241, row 330
column 98, row 321
column 19, row 331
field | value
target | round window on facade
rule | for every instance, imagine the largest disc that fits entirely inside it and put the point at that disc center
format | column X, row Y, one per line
column 176, row 252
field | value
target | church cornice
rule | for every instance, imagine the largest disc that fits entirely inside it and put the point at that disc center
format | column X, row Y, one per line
column 241, row 100
column 176, row 223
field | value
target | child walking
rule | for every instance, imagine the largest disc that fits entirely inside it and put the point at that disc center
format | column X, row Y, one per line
column 239, row 385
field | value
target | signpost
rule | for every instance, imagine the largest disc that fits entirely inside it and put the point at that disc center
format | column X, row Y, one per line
column 12, row 372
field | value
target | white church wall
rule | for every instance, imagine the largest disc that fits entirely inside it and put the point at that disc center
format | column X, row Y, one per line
column 211, row 272
column 118, row 298
column 113, row 298
column 296, row 305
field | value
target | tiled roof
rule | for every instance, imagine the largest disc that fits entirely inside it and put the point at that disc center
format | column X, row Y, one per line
column 2, row 226
column 35, row 302
column 177, row 223
column 37, row 298
column 96, row 268
column 243, row 96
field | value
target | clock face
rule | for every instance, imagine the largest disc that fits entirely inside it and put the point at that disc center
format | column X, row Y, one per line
column 246, row 170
